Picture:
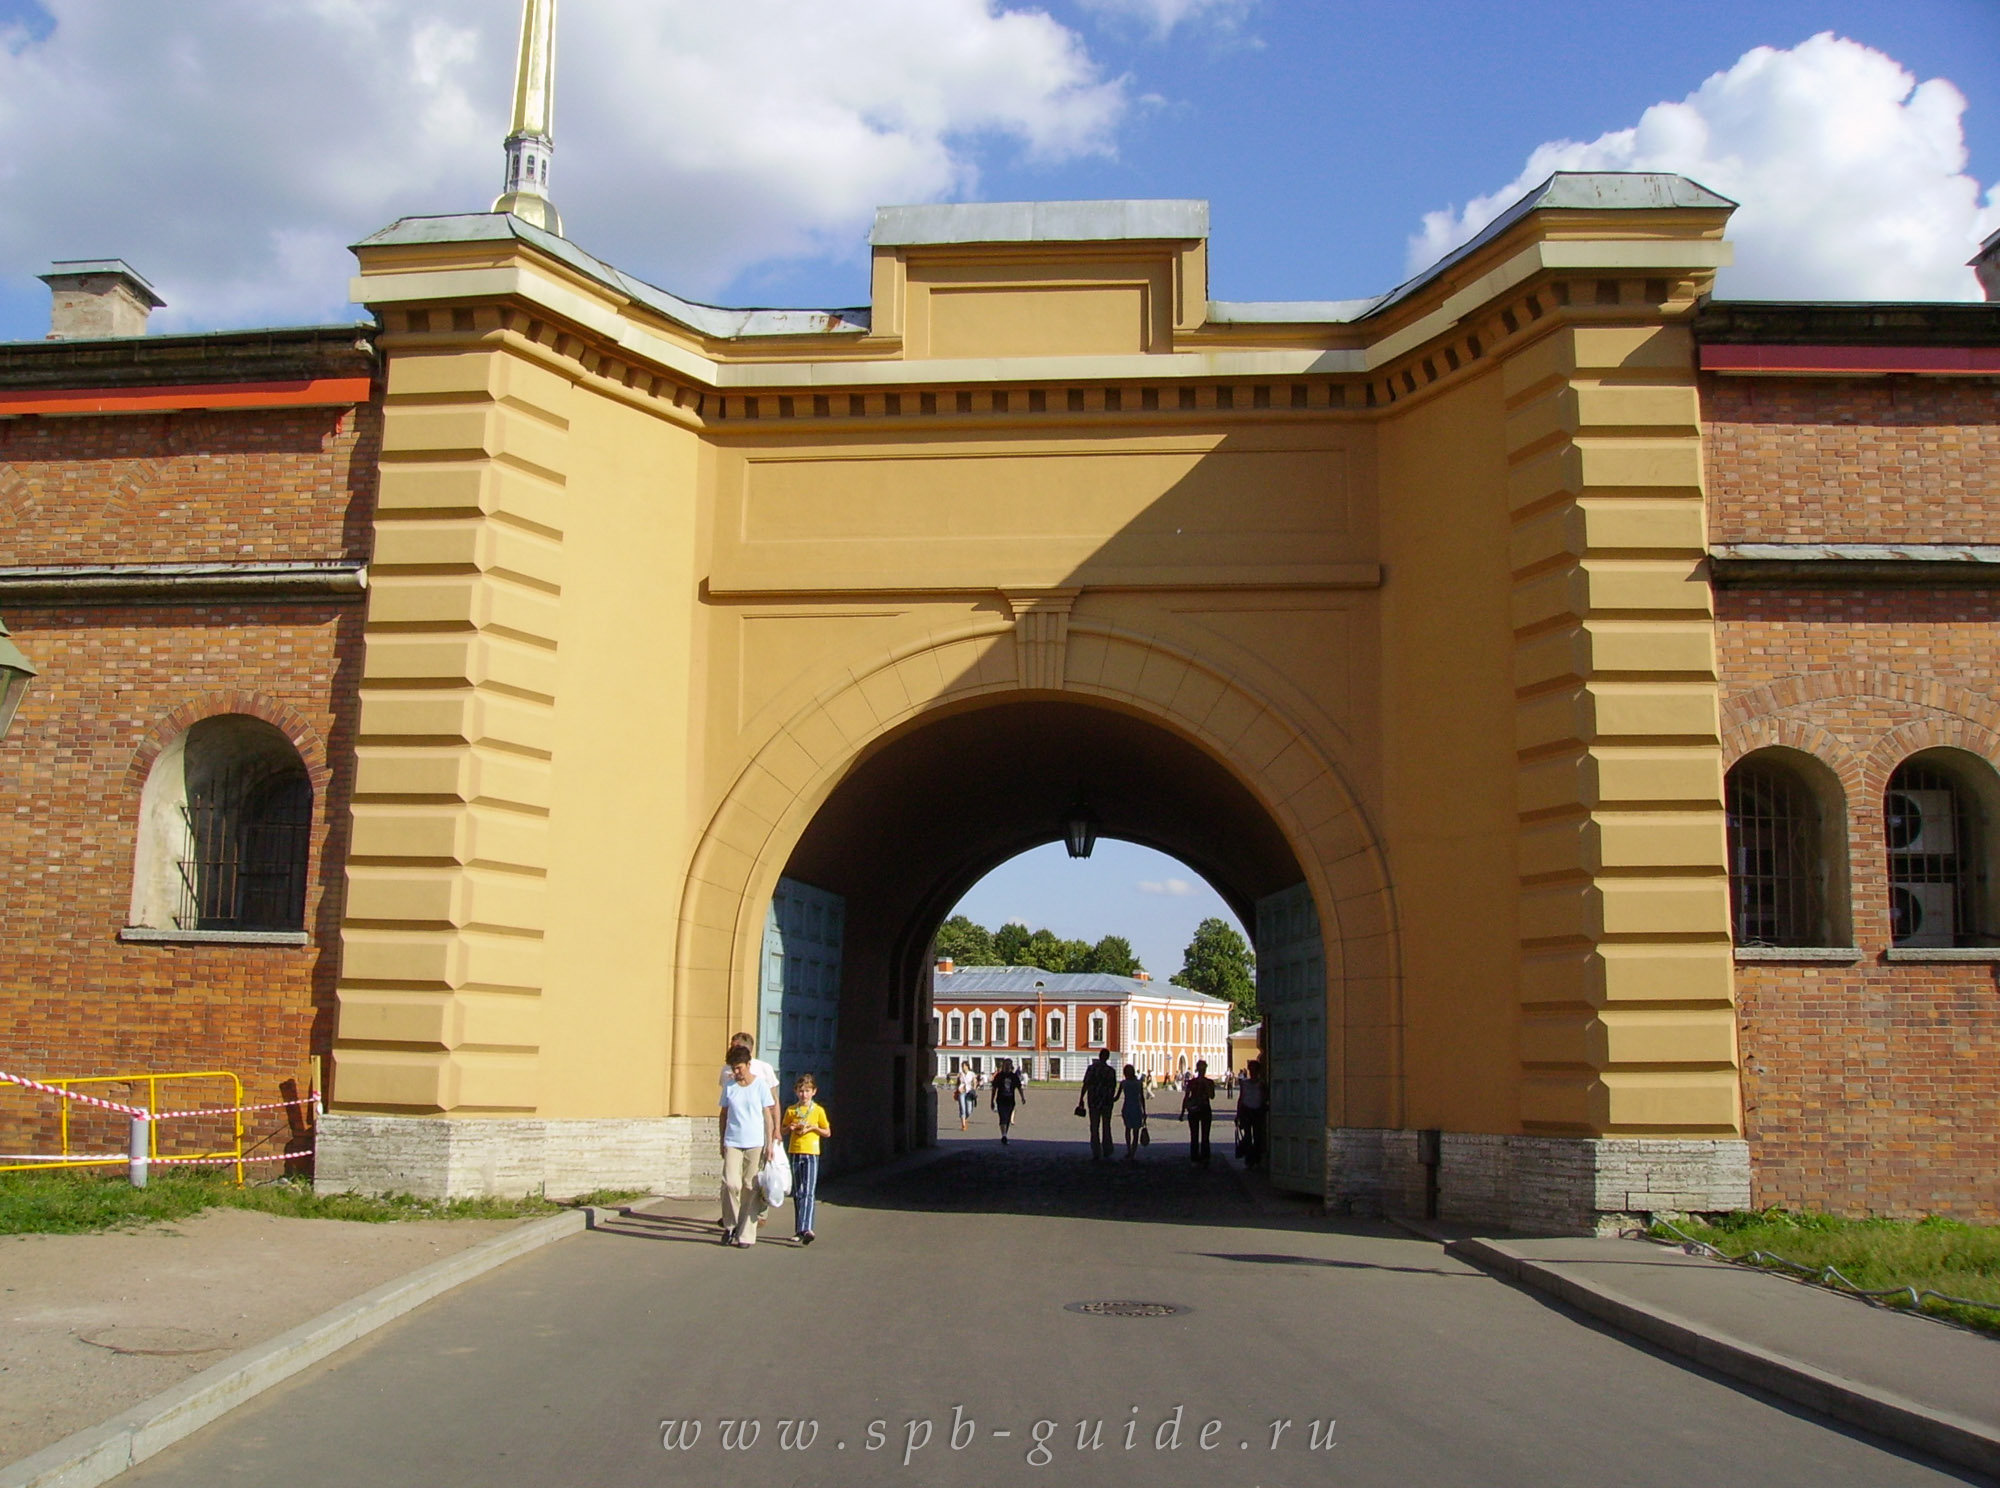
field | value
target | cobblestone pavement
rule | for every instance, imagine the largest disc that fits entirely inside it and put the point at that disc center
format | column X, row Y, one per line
column 932, row 1337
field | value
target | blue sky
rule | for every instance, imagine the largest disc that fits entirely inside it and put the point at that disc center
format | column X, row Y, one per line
column 231, row 149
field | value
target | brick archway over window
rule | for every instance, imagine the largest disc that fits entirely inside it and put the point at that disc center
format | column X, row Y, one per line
column 281, row 716
column 751, row 835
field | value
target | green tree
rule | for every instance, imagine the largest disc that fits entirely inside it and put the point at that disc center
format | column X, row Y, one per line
column 1113, row 956
column 966, row 942
column 1010, row 944
column 1218, row 962
column 1052, row 953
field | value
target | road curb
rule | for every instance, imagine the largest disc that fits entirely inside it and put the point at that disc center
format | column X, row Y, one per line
column 1952, row 1438
column 100, row 1453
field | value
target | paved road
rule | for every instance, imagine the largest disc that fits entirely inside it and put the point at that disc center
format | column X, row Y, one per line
column 931, row 1319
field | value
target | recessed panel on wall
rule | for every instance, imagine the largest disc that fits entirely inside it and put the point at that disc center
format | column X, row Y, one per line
column 1200, row 512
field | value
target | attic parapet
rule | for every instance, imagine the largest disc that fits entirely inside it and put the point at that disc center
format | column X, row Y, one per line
column 1040, row 278
column 1039, row 294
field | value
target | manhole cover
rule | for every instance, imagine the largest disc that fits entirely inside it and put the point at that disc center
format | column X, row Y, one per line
column 160, row 1342
column 1128, row 1309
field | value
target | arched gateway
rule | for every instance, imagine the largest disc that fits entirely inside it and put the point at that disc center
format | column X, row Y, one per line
column 1389, row 616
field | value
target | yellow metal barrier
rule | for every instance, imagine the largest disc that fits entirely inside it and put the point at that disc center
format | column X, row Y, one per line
column 151, row 1104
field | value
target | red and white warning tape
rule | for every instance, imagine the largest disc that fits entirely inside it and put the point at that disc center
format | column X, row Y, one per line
column 304, row 1100
column 92, row 1100
column 227, row 1158
column 88, row 1100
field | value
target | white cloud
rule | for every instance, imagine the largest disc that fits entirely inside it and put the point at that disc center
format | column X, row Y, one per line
column 1175, row 888
column 231, row 149
column 1851, row 175
column 1162, row 16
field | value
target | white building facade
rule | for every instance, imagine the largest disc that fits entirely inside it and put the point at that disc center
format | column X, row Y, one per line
column 1051, row 1024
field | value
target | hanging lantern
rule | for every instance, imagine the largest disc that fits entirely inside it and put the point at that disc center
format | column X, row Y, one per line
column 15, row 673
column 1079, row 831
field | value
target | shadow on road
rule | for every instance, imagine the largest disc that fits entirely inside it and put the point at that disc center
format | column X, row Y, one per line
column 1061, row 1179
column 1463, row 1273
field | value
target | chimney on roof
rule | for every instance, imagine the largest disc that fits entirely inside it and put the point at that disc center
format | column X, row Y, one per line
column 1142, row 976
column 96, row 297
column 945, row 966
column 1986, row 264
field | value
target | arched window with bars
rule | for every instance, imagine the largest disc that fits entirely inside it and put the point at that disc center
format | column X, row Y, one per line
column 1934, row 822
column 1786, row 822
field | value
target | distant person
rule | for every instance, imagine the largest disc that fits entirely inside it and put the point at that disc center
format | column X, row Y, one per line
column 748, row 1043
column 1133, row 1090
column 1008, row 1087
column 1198, row 1110
column 806, row 1127
column 749, row 1121
column 1100, row 1094
column 968, row 1095
column 1251, row 1109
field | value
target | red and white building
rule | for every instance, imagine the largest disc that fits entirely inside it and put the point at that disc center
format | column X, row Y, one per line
column 1051, row 1024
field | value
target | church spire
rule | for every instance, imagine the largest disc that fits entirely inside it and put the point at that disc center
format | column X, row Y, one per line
column 530, row 143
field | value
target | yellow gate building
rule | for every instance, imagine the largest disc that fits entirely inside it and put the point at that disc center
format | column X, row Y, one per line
column 712, row 654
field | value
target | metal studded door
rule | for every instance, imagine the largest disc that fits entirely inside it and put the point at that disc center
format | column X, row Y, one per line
column 798, row 1003
column 1291, row 991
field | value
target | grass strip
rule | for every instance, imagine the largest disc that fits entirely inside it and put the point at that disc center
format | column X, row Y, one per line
column 1934, row 1254
column 74, row 1203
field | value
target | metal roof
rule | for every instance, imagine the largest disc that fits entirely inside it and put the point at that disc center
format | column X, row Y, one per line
column 1073, row 221
column 1017, row 981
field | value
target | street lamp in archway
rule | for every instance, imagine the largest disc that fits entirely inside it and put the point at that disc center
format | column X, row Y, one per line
column 1079, row 830
column 15, row 674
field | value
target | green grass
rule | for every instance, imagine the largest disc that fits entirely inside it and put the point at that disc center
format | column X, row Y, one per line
column 72, row 1204
column 1936, row 1254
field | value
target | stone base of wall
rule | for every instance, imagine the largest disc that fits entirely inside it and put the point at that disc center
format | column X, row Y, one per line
column 1537, row 1185
column 446, row 1157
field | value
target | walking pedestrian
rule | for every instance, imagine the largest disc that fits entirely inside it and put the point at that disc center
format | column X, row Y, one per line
column 749, row 1138
column 769, row 1078
column 967, row 1095
column 1251, row 1111
column 1007, row 1089
column 1133, row 1089
column 805, row 1127
column 1198, row 1110
column 1100, row 1094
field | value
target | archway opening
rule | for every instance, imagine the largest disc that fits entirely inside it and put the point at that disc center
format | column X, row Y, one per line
column 929, row 812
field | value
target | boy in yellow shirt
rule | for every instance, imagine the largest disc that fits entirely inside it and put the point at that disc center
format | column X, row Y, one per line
column 805, row 1125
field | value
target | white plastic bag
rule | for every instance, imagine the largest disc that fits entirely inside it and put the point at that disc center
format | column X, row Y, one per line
column 775, row 1180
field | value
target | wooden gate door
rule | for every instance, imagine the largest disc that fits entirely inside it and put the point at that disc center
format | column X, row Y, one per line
column 798, row 1002
column 1291, row 991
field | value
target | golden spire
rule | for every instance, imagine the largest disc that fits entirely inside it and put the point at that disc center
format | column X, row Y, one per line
column 531, row 142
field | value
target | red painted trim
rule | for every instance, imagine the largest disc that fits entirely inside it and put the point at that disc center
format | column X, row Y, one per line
column 317, row 392
column 1854, row 361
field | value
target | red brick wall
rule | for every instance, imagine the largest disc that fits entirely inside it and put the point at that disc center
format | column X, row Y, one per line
column 119, row 681
column 1872, row 1088
column 1897, row 459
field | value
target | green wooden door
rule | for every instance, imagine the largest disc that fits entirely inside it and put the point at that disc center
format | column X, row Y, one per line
column 798, row 1003
column 1291, row 991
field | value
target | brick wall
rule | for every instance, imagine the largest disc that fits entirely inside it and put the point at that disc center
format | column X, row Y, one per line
column 281, row 483
column 1872, row 1088
column 119, row 681
column 1883, row 460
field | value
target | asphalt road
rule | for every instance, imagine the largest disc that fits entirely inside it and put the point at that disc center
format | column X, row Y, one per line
column 927, row 1339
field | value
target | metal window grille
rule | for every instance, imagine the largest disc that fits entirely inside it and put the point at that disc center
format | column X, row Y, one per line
column 1934, row 878
column 1775, row 896
column 248, row 841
